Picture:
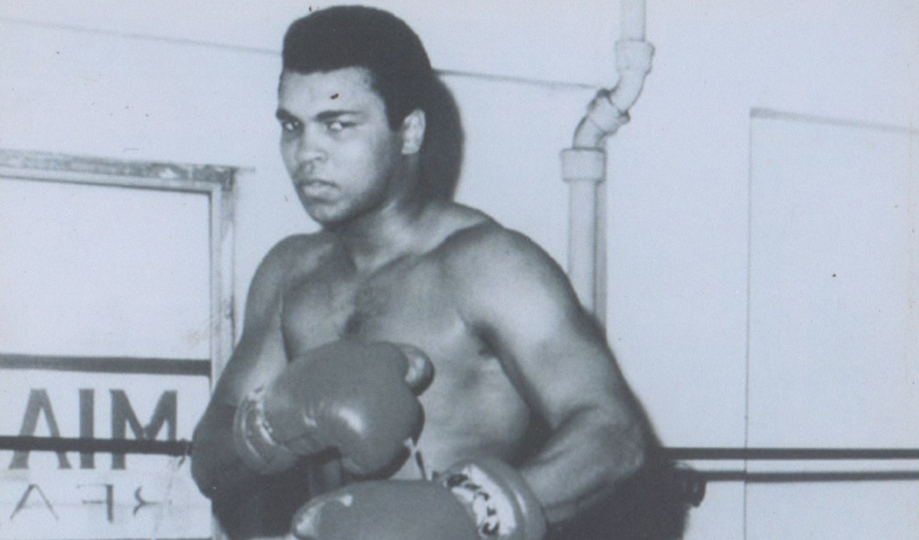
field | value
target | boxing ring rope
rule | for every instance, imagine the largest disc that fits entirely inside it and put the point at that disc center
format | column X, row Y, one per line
column 182, row 448
column 797, row 454
column 686, row 483
column 789, row 454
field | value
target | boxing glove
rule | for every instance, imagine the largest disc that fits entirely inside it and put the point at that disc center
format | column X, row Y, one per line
column 473, row 500
column 359, row 398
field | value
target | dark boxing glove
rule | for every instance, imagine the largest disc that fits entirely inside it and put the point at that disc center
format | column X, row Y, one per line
column 359, row 398
column 473, row 500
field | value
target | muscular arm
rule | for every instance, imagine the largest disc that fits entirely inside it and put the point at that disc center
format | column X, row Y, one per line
column 522, row 305
column 258, row 357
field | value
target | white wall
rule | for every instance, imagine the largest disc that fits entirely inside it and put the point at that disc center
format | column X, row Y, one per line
column 195, row 82
column 113, row 81
column 679, row 175
column 679, row 193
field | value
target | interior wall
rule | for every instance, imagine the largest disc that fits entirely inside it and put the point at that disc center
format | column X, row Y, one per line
column 109, row 80
column 678, row 209
column 678, row 183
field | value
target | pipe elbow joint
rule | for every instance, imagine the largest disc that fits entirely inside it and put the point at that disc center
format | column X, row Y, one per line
column 634, row 55
column 633, row 62
column 603, row 118
column 609, row 110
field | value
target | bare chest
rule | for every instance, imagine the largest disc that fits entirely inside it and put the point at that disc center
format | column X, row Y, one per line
column 471, row 406
column 407, row 302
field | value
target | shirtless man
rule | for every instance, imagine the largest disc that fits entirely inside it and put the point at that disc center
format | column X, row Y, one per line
column 522, row 378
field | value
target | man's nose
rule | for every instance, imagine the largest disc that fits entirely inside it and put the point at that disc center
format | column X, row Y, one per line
column 309, row 148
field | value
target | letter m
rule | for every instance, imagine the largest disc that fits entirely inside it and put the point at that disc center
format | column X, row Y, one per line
column 123, row 415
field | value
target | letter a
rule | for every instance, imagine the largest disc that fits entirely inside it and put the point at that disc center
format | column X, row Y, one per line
column 25, row 499
column 39, row 403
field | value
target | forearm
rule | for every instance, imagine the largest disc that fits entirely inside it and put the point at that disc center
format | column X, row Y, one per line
column 583, row 460
column 216, row 468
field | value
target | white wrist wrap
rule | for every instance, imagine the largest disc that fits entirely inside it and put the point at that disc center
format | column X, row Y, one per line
column 497, row 500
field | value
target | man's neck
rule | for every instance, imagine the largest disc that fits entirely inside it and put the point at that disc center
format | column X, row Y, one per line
column 382, row 236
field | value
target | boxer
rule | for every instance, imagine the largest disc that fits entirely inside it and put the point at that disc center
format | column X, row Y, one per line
column 316, row 427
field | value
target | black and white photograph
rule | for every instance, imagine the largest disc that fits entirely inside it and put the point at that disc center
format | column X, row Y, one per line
column 423, row 270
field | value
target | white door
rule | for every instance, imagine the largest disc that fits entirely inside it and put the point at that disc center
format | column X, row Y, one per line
column 834, row 327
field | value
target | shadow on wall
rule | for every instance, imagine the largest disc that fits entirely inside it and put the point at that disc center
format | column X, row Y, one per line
column 442, row 153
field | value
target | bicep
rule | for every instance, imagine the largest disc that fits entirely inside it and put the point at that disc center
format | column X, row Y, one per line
column 549, row 346
column 560, row 359
column 259, row 355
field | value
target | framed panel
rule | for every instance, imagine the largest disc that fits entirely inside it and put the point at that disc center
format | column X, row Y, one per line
column 115, row 319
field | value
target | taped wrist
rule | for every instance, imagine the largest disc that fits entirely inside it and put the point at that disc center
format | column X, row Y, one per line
column 497, row 499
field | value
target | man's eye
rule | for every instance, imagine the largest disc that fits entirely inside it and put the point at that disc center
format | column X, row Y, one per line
column 337, row 126
column 290, row 125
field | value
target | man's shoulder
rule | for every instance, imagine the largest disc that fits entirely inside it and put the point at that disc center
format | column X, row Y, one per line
column 488, row 246
column 295, row 255
column 488, row 238
column 501, row 277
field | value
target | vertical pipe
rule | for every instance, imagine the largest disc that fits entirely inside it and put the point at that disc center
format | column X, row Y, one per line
column 600, row 270
column 584, row 164
column 583, row 169
column 582, row 216
column 632, row 25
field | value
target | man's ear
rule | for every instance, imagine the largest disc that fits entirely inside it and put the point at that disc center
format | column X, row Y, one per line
column 413, row 132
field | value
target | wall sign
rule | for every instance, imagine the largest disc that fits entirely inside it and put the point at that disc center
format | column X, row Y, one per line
column 115, row 318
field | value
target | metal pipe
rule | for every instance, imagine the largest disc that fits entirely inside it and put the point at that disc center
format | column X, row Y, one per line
column 584, row 164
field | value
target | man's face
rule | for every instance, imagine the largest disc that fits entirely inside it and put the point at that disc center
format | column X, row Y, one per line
column 336, row 143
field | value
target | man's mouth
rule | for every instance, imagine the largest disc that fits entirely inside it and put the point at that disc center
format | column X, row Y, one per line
column 314, row 187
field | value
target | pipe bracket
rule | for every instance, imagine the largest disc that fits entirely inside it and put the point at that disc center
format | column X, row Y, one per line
column 583, row 165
